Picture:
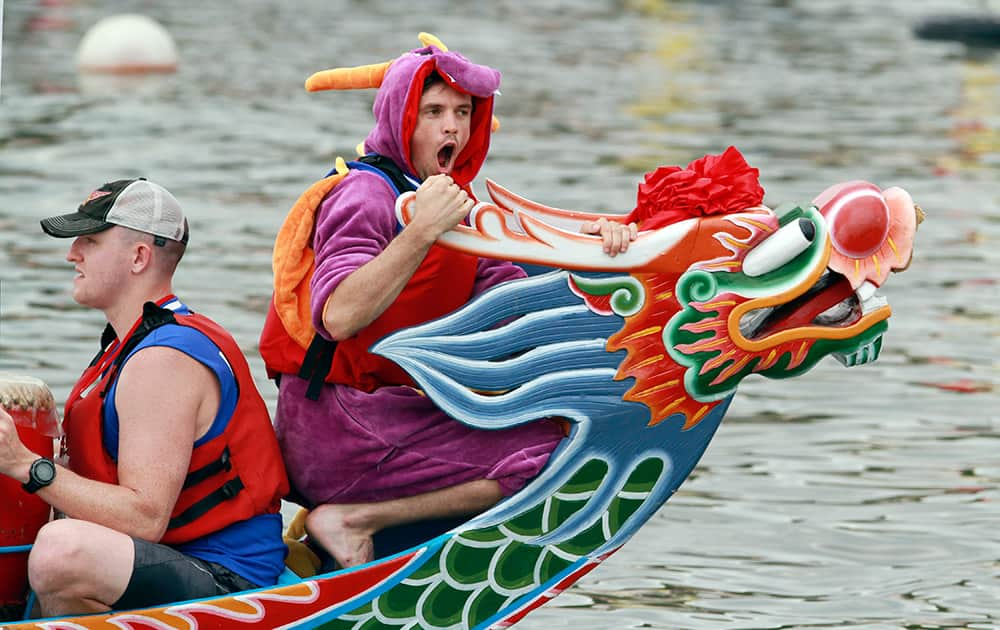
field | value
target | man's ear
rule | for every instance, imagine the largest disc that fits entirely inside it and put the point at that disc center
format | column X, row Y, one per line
column 142, row 256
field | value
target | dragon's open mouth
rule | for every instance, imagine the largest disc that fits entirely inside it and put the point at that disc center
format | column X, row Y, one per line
column 829, row 303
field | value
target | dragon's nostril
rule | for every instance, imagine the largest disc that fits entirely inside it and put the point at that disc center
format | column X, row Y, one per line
column 808, row 229
column 779, row 248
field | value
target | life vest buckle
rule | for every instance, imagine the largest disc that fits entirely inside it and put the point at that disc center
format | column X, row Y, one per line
column 231, row 488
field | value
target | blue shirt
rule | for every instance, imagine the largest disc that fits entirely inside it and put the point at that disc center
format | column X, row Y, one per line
column 252, row 548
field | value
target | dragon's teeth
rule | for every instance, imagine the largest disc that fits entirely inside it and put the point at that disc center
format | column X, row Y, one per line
column 869, row 298
column 873, row 303
column 866, row 290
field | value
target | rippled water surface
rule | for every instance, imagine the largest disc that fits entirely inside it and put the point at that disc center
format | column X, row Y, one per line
column 862, row 498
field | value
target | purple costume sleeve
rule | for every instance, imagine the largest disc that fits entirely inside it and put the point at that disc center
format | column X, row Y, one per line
column 492, row 272
column 355, row 222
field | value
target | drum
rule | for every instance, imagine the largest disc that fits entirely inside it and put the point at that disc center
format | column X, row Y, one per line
column 29, row 401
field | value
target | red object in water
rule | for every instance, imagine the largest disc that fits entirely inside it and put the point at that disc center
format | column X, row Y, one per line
column 963, row 386
column 21, row 516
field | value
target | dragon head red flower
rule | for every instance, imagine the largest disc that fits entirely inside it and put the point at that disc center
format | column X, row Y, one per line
column 714, row 184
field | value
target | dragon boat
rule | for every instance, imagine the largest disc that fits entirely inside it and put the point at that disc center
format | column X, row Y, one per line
column 641, row 353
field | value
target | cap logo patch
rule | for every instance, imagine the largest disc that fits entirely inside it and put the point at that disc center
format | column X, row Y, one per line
column 97, row 194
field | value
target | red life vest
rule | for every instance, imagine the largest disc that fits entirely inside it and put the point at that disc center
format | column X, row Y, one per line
column 234, row 476
column 442, row 283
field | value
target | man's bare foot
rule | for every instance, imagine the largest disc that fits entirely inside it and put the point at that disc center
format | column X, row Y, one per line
column 339, row 530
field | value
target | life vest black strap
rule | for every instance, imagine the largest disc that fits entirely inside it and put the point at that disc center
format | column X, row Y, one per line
column 224, row 463
column 316, row 365
column 107, row 337
column 199, row 508
column 388, row 168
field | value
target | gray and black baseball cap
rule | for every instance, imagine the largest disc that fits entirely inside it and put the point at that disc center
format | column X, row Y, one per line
column 138, row 204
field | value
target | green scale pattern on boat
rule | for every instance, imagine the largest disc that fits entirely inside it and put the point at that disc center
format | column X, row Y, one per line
column 480, row 571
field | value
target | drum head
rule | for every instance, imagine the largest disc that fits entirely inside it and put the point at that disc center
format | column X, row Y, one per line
column 30, row 402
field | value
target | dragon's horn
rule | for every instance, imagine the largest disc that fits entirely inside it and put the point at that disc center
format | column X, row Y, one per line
column 356, row 78
column 361, row 77
column 431, row 40
column 369, row 76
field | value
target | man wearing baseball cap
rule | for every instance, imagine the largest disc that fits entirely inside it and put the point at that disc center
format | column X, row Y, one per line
column 170, row 477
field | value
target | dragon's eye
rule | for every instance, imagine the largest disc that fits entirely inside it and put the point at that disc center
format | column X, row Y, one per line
column 780, row 248
column 858, row 219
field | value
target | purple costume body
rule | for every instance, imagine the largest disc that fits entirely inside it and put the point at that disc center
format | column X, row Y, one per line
column 352, row 446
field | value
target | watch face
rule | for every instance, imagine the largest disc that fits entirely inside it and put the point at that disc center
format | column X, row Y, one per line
column 44, row 471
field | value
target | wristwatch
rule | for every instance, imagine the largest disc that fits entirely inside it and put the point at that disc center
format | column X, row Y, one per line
column 41, row 474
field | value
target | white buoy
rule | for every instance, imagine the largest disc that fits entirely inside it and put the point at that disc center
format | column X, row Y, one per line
column 127, row 44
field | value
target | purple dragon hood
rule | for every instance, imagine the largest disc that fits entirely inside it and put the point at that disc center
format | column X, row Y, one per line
column 398, row 100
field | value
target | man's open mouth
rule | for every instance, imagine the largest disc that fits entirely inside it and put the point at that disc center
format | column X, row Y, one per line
column 445, row 155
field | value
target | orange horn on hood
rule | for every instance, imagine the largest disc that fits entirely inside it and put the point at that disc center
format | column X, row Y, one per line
column 361, row 77
column 369, row 76
column 356, row 78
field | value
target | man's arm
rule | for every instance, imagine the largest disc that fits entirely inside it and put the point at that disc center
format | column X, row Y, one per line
column 366, row 293
column 440, row 205
column 165, row 399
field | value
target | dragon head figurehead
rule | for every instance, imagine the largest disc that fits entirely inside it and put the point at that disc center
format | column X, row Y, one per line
column 707, row 301
column 788, row 288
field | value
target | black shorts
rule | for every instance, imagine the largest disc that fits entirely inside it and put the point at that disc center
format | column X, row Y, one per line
column 163, row 575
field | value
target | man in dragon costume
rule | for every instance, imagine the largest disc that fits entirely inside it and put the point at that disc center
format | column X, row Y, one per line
column 365, row 449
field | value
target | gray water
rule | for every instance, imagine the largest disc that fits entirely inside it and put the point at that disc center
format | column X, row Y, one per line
column 861, row 498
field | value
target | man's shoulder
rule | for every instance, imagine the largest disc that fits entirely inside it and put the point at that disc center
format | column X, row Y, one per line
column 362, row 197
column 176, row 338
column 177, row 333
column 163, row 364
